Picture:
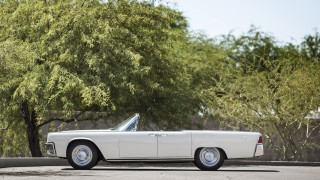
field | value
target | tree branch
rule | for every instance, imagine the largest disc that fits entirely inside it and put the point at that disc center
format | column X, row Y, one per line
column 4, row 129
column 60, row 119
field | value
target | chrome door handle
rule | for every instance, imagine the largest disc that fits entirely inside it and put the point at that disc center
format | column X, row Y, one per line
column 162, row 135
column 153, row 135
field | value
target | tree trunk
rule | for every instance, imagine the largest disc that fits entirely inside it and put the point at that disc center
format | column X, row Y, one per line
column 32, row 129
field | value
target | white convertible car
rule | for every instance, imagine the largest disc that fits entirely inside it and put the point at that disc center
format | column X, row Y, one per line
column 207, row 149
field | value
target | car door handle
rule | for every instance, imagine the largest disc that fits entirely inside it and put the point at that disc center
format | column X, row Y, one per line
column 162, row 135
column 153, row 135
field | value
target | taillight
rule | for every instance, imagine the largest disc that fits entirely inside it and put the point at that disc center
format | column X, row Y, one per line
column 260, row 140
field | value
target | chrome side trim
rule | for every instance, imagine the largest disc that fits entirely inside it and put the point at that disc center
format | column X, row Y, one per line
column 152, row 160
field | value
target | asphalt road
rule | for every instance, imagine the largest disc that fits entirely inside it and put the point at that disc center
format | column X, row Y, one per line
column 159, row 172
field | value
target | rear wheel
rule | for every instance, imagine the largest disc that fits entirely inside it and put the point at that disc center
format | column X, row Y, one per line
column 209, row 159
column 82, row 155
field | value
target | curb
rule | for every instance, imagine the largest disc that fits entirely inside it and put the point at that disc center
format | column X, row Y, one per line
column 47, row 161
column 28, row 162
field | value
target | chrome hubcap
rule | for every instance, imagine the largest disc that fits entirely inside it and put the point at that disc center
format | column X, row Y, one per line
column 81, row 155
column 209, row 156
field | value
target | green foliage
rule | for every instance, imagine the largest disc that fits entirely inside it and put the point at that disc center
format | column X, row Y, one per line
column 274, row 96
column 311, row 47
column 252, row 51
column 118, row 56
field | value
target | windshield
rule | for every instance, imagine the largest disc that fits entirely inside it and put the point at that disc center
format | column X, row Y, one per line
column 129, row 124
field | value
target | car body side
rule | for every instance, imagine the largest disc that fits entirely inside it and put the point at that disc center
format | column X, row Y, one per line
column 157, row 145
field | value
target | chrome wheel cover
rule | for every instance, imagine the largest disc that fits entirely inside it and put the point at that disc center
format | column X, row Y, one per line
column 209, row 156
column 81, row 155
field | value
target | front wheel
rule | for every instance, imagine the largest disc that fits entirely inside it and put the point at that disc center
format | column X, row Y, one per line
column 209, row 159
column 82, row 155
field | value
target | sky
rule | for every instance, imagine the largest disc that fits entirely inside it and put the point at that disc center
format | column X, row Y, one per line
column 286, row 20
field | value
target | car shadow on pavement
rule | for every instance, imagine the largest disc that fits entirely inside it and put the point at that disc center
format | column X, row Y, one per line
column 166, row 169
column 248, row 170
column 132, row 169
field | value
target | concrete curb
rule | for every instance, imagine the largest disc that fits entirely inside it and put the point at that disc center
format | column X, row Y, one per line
column 46, row 161
column 28, row 162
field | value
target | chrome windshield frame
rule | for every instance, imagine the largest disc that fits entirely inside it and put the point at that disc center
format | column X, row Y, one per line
column 128, row 123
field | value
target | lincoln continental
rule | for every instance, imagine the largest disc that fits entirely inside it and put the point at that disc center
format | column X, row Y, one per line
column 206, row 148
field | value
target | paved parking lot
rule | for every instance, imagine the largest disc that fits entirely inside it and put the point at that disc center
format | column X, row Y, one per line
column 160, row 172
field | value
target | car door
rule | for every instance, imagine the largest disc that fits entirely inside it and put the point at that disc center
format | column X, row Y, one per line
column 137, row 145
column 174, row 144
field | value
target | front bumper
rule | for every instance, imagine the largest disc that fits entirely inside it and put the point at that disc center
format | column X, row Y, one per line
column 259, row 150
column 51, row 149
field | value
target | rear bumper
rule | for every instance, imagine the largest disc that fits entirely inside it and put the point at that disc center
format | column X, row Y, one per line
column 51, row 149
column 259, row 150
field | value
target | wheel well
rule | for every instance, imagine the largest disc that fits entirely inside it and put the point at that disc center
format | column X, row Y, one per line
column 223, row 152
column 101, row 157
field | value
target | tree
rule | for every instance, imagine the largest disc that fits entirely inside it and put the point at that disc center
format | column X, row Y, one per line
column 251, row 51
column 60, row 59
column 275, row 96
column 310, row 47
